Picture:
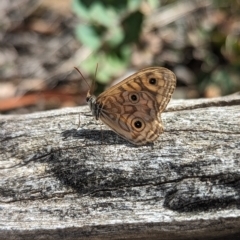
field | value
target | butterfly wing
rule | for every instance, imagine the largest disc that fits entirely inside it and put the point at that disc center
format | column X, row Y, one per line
column 132, row 107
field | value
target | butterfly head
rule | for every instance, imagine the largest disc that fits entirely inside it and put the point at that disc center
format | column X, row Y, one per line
column 93, row 105
column 91, row 99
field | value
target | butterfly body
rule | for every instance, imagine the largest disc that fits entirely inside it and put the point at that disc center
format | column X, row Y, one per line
column 95, row 108
column 132, row 107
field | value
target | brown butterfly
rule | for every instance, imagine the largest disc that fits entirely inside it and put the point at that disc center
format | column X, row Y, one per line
column 132, row 107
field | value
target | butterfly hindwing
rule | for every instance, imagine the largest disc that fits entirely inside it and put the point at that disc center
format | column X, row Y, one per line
column 132, row 107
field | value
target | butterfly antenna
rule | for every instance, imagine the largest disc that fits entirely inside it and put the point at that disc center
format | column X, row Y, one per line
column 83, row 77
column 95, row 76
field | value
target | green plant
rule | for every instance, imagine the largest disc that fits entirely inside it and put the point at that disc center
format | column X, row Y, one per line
column 108, row 29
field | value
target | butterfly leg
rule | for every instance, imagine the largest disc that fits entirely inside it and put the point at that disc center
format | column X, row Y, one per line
column 79, row 121
column 101, row 136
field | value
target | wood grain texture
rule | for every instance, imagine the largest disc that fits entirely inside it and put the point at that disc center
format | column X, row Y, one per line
column 57, row 182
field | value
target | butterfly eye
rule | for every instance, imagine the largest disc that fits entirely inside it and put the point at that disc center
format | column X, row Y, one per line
column 152, row 81
column 138, row 124
column 134, row 98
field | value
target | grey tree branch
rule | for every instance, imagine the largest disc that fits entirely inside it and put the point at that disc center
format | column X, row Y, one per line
column 60, row 182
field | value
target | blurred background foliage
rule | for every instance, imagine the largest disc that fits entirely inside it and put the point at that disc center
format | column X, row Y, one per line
column 41, row 42
column 198, row 40
column 109, row 30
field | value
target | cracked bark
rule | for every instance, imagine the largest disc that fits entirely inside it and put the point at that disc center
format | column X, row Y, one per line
column 59, row 182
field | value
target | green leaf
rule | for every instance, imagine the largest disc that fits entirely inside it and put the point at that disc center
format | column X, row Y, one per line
column 154, row 4
column 80, row 10
column 109, row 66
column 134, row 5
column 115, row 36
column 102, row 15
column 88, row 37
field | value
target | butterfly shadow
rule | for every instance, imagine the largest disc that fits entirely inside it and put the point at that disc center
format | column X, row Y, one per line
column 102, row 137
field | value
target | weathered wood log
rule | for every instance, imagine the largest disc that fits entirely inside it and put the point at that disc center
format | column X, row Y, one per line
column 60, row 182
